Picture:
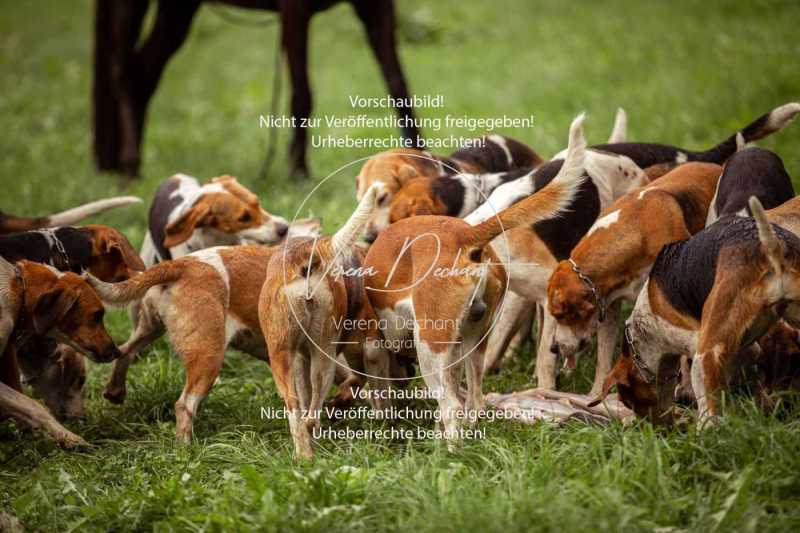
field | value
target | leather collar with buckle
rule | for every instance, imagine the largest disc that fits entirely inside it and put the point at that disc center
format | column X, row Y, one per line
column 592, row 287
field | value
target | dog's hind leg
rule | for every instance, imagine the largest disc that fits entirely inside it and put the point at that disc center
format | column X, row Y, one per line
column 203, row 355
column 281, row 361
column 322, row 371
column 198, row 334
column 377, row 363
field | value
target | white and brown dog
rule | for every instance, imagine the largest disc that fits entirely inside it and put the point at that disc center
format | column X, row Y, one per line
column 205, row 301
column 531, row 253
column 709, row 297
column 186, row 216
column 612, row 261
column 436, row 280
column 37, row 301
column 312, row 307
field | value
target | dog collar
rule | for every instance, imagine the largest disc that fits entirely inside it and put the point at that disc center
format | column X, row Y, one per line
column 645, row 372
column 592, row 287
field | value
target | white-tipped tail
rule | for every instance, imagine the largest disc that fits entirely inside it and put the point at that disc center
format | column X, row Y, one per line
column 741, row 144
column 780, row 117
column 766, row 234
column 76, row 214
column 344, row 239
column 571, row 173
column 545, row 203
column 620, row 132
column 119, row 294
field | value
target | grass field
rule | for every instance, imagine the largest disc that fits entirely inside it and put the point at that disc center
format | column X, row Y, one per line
column 688, row 73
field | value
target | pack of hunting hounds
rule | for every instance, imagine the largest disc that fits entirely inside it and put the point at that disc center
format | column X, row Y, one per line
column 446, row 266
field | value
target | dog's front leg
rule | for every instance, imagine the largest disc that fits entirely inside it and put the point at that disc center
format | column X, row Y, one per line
column 706, row 405
column 546, row 360
column 606, row 344
column 472, row 349
column 516, row 310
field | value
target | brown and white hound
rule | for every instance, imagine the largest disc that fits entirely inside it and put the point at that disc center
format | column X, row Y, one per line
column 709, row 297
column 205, row 301
column 437, row 281
column 312, row 307
column 612, row 261
column 38, row 301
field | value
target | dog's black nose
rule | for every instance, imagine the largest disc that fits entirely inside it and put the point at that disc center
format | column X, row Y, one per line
column 282, row 230
column 370, row 237
column 554, row 348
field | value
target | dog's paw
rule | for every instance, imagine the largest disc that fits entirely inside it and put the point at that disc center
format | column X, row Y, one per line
column 115, row 395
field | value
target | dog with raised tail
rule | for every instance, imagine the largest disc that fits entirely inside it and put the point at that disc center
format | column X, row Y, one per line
column 312, row 307
column 436, row 280
column 205, row 301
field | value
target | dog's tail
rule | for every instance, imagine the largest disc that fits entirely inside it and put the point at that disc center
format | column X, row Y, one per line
column 119, row 294
column 545, row 203
column 772, row 122
column 620, row 132
column 76, row 214
column 766, row 234
column 343, row 240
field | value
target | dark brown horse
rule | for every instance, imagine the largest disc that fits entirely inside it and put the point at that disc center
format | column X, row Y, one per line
column 126, row 75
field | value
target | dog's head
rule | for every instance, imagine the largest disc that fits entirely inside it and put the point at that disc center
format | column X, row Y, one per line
column 394, row 169
column 574, row 306
column 59, row 379
column 226, row 207
column 65, row 307
column 415, row 198
column 647, row 400
column 113, row 258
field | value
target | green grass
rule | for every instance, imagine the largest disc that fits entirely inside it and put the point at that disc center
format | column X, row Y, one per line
column 688, row 73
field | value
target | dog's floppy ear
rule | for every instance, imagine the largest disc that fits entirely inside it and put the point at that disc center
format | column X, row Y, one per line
column 421, row 207
column 405, row 173
column 611, row 379
column 180, row 230
column 51, row 307
column 617, row 376
column 109, row 241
